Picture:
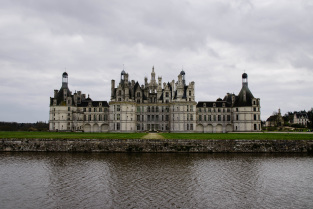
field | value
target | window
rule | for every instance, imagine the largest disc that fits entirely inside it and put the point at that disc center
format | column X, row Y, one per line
column 219, row 118
column 189, row 93
column 138, row 109
column 138, row 127
column 118, row 108
column 118, row 117
column 200, row 118
column 254, row 109
column 138, row 94
column 191, row 117
column 118, row 126
column 94, row 117
column 205, row 118
column 191, row 127
column 100, row 109
column 69, row 108
column 255, row 127
column 228, row 117
column 254, row 116
column 148, row 110
column 166, row 94
column 237, row 117
column 89, row 109
column 214, row 117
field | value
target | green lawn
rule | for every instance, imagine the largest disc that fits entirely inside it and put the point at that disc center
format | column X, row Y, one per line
column 68, row 135
column 73, row 135
column 253, row 136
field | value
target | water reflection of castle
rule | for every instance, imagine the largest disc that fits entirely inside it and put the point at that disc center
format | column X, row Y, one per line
column 154, row 106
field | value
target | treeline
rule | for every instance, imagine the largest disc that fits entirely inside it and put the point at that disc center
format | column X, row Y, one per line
column 13, row 126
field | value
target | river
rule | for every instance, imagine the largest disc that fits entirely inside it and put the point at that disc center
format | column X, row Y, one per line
column 147, row 180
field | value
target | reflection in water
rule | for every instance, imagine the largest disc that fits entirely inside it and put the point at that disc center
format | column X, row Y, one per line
column 119, row 180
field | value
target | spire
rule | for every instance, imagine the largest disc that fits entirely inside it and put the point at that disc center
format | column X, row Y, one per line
column 153, row 74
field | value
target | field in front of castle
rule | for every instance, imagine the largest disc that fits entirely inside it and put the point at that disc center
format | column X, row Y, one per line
column 226, row 136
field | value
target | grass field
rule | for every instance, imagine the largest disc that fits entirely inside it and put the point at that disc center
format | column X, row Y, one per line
column 73, row 135
column 68, row 135
column 250, row 136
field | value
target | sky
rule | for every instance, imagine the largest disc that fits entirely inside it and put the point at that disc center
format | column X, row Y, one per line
column 213, row 41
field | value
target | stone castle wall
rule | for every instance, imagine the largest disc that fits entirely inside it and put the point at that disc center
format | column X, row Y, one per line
column 152, row 145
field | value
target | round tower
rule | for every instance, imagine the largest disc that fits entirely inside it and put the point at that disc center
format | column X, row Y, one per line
column 183, row 76
column 123, row 75
column 65, row 80
column 244, row 79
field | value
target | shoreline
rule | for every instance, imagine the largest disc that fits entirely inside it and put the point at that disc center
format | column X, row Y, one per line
column 156, row 145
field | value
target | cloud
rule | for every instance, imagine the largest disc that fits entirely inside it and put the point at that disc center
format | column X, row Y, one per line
column 213, row 41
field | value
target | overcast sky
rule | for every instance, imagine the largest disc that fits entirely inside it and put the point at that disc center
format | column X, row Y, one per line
column 214, row 41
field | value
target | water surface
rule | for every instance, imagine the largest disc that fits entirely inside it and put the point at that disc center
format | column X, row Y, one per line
column 119, row 180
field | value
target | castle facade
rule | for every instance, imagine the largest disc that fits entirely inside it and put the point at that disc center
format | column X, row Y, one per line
column 154, row 106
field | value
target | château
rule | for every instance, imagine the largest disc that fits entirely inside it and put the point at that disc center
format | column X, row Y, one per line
column 154, row 106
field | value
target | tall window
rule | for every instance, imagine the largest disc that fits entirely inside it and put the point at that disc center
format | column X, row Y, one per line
column 118, row 108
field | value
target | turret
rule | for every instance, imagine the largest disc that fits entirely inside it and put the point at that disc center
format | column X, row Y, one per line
column 65, row 80
column 112, row 88
column 245, row 79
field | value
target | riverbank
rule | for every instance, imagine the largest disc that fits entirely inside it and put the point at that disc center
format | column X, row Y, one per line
column 155, row 145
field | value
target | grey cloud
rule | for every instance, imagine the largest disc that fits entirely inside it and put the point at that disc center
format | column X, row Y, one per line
column 214, row 41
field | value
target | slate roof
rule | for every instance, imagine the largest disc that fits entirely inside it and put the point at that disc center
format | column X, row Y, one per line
column 93, row 104
column 239, row 101
column 210, row 104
